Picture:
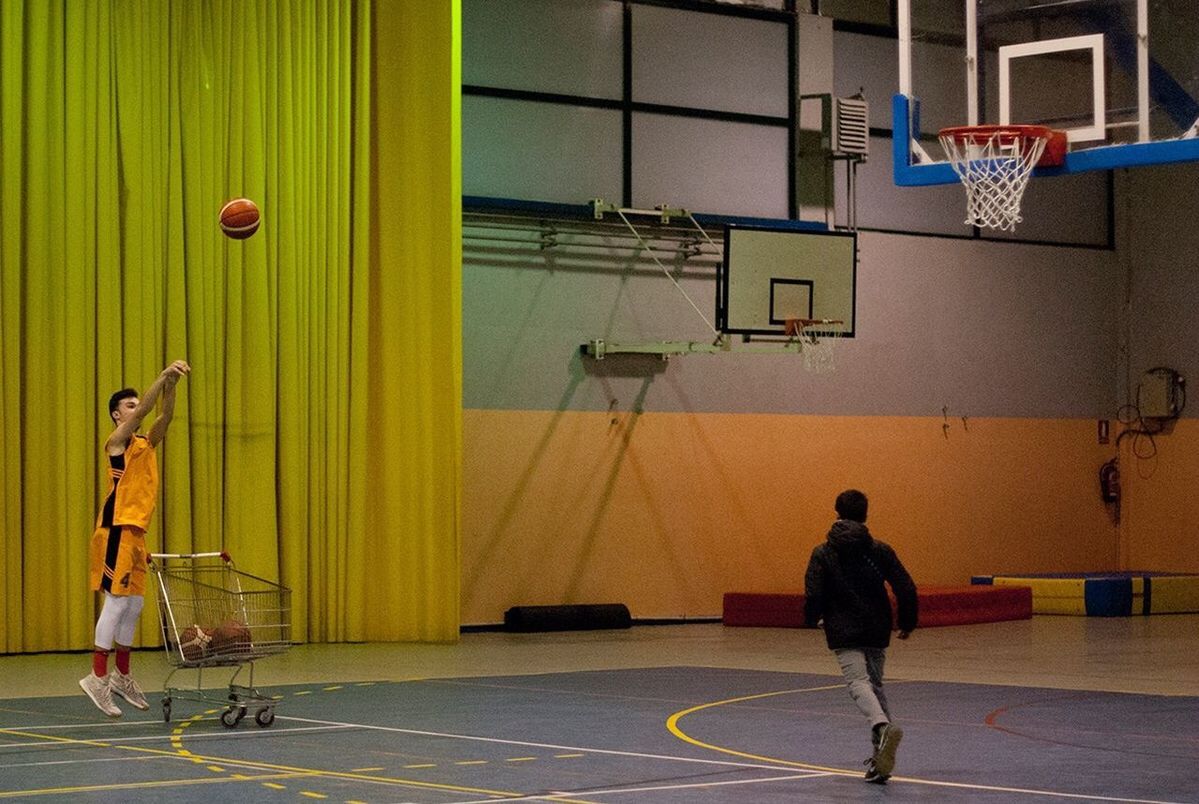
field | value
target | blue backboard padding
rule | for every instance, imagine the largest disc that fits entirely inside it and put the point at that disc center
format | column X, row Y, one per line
column 906, row 115
column 1108, row 597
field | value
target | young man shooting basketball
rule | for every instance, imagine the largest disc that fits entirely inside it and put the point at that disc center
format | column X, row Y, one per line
column 845, row 586
column 118, row 548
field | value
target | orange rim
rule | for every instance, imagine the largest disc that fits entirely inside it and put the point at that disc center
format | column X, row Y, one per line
column 980, row 134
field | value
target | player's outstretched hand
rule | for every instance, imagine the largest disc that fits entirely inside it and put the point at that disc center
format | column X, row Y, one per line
column 177, row 370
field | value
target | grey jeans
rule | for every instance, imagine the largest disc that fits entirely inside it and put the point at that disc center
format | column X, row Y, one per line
column 863, row 671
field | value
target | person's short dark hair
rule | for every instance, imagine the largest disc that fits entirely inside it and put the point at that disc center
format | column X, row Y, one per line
column 116, row 398
column 852, row 505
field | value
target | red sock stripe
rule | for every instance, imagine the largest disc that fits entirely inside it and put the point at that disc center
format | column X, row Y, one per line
column 123, row 661
column 100, row 663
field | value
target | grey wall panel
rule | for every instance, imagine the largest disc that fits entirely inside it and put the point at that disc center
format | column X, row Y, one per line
column 1063, row 209
column 985, row 329
column 539, row 151
column 1158, row 209
column 709, row 61
column 940, row 209
column 866, row 64
column 569, row 47
column 710, row 166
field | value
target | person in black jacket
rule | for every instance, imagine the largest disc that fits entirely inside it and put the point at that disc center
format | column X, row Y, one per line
column 845, row 587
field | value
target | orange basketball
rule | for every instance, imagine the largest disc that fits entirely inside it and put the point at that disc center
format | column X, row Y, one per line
column 231, row 637
column 240, row 218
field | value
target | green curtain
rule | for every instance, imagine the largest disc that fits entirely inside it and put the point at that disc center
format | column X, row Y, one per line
column 124, row 126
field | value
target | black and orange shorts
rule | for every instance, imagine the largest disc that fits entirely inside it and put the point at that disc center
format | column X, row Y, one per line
column 118, row 560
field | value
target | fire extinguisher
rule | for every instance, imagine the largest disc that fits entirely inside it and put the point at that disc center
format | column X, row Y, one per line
column 1109, row 481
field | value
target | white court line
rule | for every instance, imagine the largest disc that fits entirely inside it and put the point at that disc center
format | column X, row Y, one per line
column 558, row 795
column 79, row 761
column 782, row 764
column 555, row 746
column 1030, row 791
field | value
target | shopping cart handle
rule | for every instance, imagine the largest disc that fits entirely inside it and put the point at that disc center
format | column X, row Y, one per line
column 221, row 555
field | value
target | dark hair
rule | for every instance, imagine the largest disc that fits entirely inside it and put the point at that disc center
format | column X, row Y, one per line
column 116, row 398
column 851, row 504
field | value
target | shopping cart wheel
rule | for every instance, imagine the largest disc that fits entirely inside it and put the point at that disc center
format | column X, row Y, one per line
column 232, row 716
column 265, row 716
column 166, row 709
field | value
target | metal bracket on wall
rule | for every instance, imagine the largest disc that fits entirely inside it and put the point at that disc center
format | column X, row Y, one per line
column 662, row 212
column 721, row 342
column 600, row 348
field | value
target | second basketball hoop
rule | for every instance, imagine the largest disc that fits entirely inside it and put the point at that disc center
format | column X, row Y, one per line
column 817, row 339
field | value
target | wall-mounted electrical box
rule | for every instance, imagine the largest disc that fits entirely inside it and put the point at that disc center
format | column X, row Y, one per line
column 1161, row 394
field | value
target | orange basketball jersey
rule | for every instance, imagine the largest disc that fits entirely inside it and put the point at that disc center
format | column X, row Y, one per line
column 137, row 489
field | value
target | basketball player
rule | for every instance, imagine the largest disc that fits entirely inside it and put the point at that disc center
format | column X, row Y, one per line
column 118, row 549
column 845, row 587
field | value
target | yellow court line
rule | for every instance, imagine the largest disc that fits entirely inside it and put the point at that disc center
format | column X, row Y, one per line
column 258, row 765
column 95, row 788
column 672, row 725
column 673, row 721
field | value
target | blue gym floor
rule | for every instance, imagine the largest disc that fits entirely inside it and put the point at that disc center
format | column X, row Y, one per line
column 668, row 734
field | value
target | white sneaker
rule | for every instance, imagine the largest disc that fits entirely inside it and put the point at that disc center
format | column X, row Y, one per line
column 124, row 685
column 97, row 689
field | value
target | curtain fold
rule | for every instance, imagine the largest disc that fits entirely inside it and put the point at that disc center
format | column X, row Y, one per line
column 316, row 440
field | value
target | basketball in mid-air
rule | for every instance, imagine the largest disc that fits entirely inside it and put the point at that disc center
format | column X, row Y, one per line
column 240, row 218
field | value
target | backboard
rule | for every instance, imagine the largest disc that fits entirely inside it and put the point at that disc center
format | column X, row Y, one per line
column 770, row 275
column 1121, row 77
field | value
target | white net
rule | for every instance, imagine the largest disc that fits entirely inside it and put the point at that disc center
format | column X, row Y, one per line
column 817, row 340
column 994, row 163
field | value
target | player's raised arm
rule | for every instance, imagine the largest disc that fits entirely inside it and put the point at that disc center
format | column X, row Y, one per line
column 158, row 430
column 128, row 425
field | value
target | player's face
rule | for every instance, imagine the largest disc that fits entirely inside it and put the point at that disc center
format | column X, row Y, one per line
column 125, row 409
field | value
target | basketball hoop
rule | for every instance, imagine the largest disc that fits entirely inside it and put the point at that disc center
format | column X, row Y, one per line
column 816, row 339
column 994, row 162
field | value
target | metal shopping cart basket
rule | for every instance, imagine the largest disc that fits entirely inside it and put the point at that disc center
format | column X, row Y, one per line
column 216, row 616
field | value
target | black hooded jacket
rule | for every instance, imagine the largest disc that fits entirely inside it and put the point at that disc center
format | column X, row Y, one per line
column 844, row 586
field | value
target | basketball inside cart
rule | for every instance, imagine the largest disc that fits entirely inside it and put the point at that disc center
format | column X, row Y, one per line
column 214, row 616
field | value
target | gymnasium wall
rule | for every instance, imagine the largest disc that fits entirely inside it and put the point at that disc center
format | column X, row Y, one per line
column 1159, row 248
column 966, row 406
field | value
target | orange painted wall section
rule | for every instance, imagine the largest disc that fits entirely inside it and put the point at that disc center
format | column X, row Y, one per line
column 1160, row 508
column 667, row 511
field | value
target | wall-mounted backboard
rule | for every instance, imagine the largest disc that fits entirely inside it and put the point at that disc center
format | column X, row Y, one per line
column 770, row 275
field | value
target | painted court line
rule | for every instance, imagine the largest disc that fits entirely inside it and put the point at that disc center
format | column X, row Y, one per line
column 288, row 771
column 553, row 746
column 230, row 734
column 557, row 795
column 77, row 761
column 673, row 727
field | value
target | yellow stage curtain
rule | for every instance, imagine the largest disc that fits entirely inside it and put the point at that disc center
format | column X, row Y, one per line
column 318, row 436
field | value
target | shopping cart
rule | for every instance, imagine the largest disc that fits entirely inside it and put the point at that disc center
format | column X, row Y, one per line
column 214, row 615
